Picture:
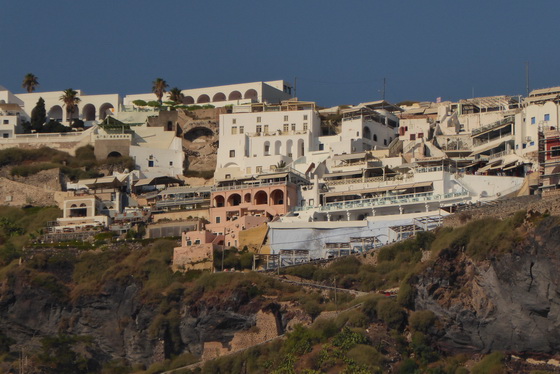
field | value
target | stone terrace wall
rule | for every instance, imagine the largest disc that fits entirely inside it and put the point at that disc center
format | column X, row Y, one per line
column 505, row 208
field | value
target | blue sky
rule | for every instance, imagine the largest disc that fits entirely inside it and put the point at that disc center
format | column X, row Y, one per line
column 340, row 51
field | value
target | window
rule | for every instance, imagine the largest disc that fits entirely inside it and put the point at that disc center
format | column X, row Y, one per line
column 285, row 118
column 228, row 176
column 412, row 136
column 420, row 135
column 150, row 163
column 248, row 170
column 234, row 121
column 218, row 219
column 533, row 120
column 305, row 117
column 555, row 151
column 266, row 149
column 259, row 169
column 170, row 163
column 241, row 129
column 266, row 129
column 6, row 122
column 259, row 129
column 232, row 153
column 374, row 137
column 258, row 119
column 384, row 141
column 197, row 241
column 305, row 126
column 286, row 127
column 5, row 135
column 547, row 117
column 293, row 127
column 233, row 130
column 321, row 147
column 272, row 167
column 532, row 143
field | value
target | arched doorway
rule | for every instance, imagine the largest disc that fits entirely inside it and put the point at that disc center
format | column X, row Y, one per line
column 251, row 94
column 202, row 99
column 188, row 100
column 114, row 154
column 55, row 113
column 219, row 97
column 219, row 201
column 105, row 110
column 261, row 198
column 277, row 197
column 88, row 112
column 367, row 133
column 234, row 200
column 235, row 95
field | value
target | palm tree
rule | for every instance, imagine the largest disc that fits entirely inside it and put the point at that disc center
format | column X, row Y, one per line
column 176, row 95
column 70, row 99
column 30, row 81
column 158, row 87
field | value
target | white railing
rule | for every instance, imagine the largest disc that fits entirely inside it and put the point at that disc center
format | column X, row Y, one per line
column 387, row 201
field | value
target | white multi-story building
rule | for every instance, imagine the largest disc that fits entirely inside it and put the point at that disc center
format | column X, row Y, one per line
column 257, row 138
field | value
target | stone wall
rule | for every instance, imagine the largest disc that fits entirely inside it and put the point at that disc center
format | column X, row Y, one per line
column 14, row 193
column 193, row 257
column 103, row 147
column 505, row 208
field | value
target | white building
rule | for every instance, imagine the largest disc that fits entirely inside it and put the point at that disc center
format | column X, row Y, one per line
column 9, row 120
column 157, row 152
column 256, row 138
column 218, row 96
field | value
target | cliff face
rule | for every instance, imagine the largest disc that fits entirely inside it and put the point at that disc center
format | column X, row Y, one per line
column 508, row 301
column 121, row 323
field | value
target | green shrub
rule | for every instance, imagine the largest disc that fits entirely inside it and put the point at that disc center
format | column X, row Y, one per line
column 366, row 355
column 422, row 320
column 391, row 313
column 490, row 364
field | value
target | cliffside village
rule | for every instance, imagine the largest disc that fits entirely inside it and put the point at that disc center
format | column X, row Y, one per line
column 292, row 181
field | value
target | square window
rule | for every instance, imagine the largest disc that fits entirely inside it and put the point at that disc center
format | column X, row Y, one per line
column 533, row 120
column 547, row 117
column 232, row 153
column 258, row 119
column 170, row 163
column 233, row 130
column 259, row 169
column 5, row 135
column 6, row 122
column 241, row 129
column 293, row 127
column 305, row 117
column 234, row 121
column 285, row 118
column 218, row 219
column 228, row 176
column 532, row 143
column 150, row 163
column 266, row 129
column 305, row 126
column 286, row 127
column 555, row 152
column 259, row 129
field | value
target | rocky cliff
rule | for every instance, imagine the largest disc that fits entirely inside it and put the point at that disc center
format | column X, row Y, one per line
column 504, row 300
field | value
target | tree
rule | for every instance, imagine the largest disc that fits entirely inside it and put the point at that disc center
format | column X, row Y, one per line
column 38, row 115
column 70, row 99
column 176, row 95
column 159, row 87
column 30, row 82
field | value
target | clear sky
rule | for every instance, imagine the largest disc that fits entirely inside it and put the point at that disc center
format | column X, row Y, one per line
column 340, row 51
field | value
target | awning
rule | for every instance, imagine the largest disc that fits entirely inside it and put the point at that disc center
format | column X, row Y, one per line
column 352, row 156
column 157, row 180
column 110, row 181
column 343, row 174
column 509, row 166
column 272, row 176
column 487, row 148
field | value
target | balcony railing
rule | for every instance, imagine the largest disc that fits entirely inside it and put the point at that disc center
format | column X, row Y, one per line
column 505, row 121
column 387, row 201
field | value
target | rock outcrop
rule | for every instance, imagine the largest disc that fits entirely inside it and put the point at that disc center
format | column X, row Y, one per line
column 508, row 301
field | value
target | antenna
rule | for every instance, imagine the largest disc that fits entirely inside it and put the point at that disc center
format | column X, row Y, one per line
column 384, row 88
column 527, row 77
column 295, row 87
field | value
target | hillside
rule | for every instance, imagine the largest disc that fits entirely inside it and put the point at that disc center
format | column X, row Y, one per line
column 105, row 307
